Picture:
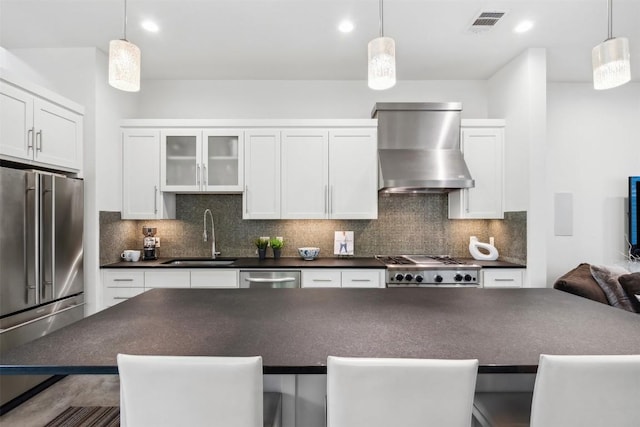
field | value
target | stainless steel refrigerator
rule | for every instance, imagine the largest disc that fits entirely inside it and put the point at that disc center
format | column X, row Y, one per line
column 41, row 265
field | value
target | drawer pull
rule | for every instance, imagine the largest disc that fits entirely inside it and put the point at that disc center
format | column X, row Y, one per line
column 360, row 280
column 504, row 280
column 322, row 280
column 123, row 280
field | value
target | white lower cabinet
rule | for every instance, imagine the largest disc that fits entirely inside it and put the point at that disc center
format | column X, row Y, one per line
column 335, row 278
column 321, row 278
column 503, row 277
column 166, row 278
column 216, row 278
column 363, row 279
column 120, row 285
column 123, row 283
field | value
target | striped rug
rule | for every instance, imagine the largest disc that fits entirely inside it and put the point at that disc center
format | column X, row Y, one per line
column 87, row 416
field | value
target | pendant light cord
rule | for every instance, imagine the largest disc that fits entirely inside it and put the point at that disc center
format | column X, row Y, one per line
column 610, row 27
column 382, row 19
column 125, row 19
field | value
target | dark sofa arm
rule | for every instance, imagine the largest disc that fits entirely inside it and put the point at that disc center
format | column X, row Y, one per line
column 579, row 281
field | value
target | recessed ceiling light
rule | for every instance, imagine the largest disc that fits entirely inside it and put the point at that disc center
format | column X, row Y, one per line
column 523, row 27
column 346, row 26
column 150, row 26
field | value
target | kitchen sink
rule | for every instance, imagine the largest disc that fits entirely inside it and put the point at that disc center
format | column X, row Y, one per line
column 200, row 262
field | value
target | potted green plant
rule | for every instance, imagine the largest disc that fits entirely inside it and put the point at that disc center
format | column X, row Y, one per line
column 277, row 243
column 261, row 244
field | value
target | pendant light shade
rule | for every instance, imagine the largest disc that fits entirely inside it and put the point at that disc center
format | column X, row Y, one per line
column 611, row 60
column 382, row 59
column 124, row 65
column 382, row 63
column 611, row 65
column 124, row 62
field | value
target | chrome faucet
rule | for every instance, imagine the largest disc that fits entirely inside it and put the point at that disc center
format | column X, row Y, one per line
column 213, row 233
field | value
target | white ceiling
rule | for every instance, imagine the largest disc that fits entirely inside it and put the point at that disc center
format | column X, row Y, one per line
column 298, row 39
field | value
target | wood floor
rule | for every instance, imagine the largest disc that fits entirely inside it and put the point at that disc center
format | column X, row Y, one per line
column 74, row 390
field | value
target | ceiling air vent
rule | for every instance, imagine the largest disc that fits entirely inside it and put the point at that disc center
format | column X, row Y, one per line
column 485, row 21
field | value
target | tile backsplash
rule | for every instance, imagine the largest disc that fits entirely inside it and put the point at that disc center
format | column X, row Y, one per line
column 406, row 224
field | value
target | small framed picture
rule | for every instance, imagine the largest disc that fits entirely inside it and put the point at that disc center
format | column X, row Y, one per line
column 343, row 243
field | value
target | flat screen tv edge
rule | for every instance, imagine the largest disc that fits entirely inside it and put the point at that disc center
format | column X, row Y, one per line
column 634, row 216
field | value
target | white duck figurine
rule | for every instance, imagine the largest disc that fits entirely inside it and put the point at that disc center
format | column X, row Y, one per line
column 488, row 252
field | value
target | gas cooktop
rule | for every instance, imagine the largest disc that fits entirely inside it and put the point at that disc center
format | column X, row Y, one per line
column 429, row 270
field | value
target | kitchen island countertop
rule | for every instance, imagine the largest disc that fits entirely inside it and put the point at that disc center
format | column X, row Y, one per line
column 294, row 330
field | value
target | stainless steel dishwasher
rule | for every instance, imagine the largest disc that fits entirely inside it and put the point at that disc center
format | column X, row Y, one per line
column 269, row 278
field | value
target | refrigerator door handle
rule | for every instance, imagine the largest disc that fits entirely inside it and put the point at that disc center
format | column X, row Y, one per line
column 55, row 313
column 47, row 247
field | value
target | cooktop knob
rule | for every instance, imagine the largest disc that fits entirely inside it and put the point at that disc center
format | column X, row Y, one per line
column 468, row 278
column 458, row 277
column 438, row 278
column 399, row 276
column 408, row 277
column 419, row 278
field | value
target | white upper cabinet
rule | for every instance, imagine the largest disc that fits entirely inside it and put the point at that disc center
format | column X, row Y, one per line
column 482, row 145
column 141, row 195
column 353, row 174
column 40, row 132
column 196, row 160
column 305, row 174
column 261, row 197
column 329, row 173
column 222, row 160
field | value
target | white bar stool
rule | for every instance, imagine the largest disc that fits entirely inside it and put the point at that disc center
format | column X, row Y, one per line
column 192, row 391
column 587, row 391
column 363, row 392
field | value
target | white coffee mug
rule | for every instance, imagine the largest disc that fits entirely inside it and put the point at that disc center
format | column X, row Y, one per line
column 135, row 256
column 128, row 255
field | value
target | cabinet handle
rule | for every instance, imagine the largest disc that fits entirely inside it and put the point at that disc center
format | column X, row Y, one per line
column 330, row 199
column 39, row 140
column 30, row 138
column 198, row 175
column 155, row 199
column 205, row 179
column 322, row 280
column 123, row 280
column 466, row 200
column 246, row 199
column 360, row 280
column 503, row 280
column 326, row 199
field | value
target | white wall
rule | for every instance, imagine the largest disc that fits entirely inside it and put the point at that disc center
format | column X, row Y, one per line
column 593, row 147
column 296, row 99
column 517, row 93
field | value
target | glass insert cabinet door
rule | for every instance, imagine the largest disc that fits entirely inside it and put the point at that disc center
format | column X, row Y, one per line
column 180, row 160
column 196, row 160
column 222, row 156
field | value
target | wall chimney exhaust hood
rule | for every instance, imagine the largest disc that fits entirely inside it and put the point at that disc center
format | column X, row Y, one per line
column 419, row 147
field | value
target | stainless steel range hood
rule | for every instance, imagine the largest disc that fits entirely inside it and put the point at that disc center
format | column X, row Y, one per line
column 419, row 148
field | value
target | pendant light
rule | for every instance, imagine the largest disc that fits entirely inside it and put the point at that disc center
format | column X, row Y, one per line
column 382, row 59
column 124, row 62
column 610, row 59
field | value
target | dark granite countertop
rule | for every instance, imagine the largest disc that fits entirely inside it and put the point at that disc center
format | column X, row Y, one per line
column 494, row 264
column 294, row 330
column 287, row 262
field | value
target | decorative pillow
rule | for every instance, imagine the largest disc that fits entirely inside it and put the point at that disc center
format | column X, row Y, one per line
column 631, row 285
column 579, row 281
column 607, row 278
